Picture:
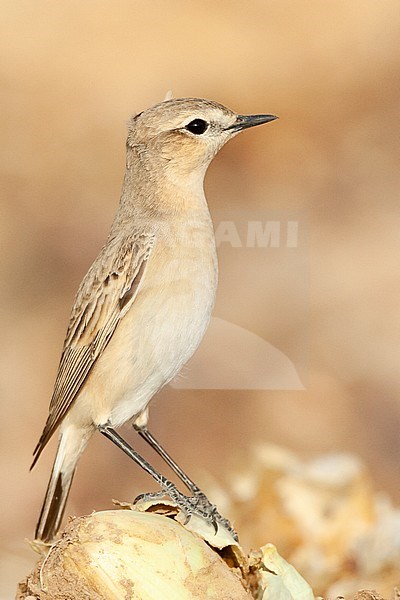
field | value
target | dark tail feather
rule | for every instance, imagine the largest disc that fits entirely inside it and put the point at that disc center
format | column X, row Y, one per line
column 53, row 506
column 71, row 445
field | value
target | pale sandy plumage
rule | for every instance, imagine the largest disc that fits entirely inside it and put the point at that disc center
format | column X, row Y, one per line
column 145, row 303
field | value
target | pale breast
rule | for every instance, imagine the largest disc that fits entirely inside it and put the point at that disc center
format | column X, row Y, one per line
column 178, row 294
column 164, row 326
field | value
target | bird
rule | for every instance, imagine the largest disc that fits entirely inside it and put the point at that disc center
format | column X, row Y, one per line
column 145, row 303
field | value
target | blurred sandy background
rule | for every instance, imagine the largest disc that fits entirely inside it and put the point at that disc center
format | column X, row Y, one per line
column 71, row 75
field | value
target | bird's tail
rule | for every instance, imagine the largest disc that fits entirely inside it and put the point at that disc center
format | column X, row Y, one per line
column 72, row 442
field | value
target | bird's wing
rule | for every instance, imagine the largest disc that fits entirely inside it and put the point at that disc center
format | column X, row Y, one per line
column 104, row 297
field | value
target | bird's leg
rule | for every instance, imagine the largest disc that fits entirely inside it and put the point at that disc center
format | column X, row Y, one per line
column 184, row 502
column 112, row 435
column 202, row 502
column 151, row 440
column 196, row 504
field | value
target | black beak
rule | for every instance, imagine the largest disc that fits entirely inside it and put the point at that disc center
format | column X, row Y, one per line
column 245, row 121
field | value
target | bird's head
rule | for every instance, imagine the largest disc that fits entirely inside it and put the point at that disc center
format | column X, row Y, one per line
column 183, row 135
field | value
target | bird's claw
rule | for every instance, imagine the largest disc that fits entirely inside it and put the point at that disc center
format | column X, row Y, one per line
column 197, row 504
column 149, row 496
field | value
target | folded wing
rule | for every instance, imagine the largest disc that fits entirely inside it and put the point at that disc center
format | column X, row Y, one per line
column 104, row 297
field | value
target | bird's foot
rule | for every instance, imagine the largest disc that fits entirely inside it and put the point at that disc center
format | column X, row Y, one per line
column 150, row 496
column 197, row 504
column 210, row 512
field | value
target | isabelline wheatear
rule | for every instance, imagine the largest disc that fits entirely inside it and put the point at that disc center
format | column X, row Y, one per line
column 145, row 303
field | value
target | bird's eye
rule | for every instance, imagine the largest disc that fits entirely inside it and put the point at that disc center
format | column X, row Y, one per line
column 197, row 126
